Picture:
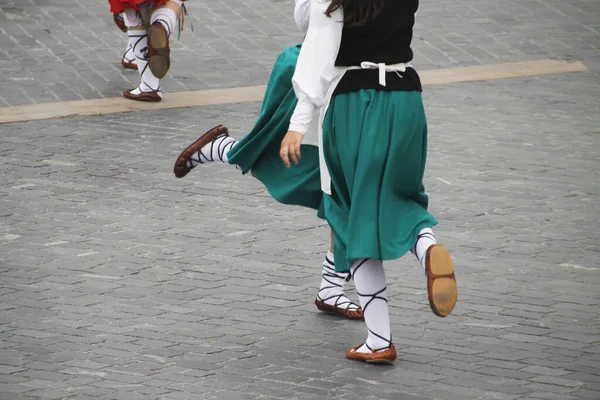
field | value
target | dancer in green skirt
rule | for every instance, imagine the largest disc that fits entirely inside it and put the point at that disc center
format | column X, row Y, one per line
column 258, row 153
column 374, row 145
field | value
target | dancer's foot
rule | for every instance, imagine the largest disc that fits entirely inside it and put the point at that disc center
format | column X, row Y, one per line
column 194, row 154
column 158, row 50
column 441, row 283
column 331, row 297
column 368, row 355
column 136, row 94
column 340, row 305
column 128, row 64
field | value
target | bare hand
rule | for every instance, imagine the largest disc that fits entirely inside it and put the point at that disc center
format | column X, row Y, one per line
column 290, row 147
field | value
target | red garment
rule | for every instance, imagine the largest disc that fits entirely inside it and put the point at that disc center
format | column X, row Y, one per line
column 117, row 6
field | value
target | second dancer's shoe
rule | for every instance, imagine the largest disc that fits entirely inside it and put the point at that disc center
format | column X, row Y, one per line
column 182, row 165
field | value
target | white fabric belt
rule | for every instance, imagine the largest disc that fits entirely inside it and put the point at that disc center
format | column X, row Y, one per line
column 383, row 69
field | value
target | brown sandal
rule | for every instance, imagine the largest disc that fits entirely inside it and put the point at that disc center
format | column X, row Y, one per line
column 181, row 169
column 152, row 96
column 128, row 64
column 374, row 357
column 338, row 308
column 441, row 282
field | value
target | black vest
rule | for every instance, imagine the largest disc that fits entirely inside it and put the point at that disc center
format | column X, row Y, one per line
column 385, row 39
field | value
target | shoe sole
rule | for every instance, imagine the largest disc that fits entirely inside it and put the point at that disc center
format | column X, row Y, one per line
column 441, row 283
column 159, row 60
column 380, row 362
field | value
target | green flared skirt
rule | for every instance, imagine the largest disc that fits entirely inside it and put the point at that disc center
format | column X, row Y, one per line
column 258, row 151
column 375, row 146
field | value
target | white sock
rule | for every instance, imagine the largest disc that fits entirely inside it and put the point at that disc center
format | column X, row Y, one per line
column 166, row 17
column 369, row 279
column 149, row 82
column 135, row 32
column 425, row 239
column 129, row 55
column 332, row 285
column 214, row 151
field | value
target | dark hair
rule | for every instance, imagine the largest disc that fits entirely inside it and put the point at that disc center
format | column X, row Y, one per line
column 356, row 12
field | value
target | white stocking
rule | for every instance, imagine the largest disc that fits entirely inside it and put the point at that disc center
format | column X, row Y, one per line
column 369, row 279
column 129, row 55
column 149, row 82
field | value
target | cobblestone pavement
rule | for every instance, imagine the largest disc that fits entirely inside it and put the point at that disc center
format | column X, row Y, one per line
column 118, row 281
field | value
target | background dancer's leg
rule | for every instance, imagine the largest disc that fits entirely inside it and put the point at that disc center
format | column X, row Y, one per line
column 128, row 58
column 149, row 88
column 162, row 24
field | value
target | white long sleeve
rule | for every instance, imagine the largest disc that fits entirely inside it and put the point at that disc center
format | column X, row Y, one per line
column 316, row 63
column 302, row 14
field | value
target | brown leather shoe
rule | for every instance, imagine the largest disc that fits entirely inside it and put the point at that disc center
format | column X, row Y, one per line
column 181, row 169
column 374, row 357
column 128, row 64
column 118, row 18
column 345, row 312
column 152, row 96
column 158, row 50
column 441, row 283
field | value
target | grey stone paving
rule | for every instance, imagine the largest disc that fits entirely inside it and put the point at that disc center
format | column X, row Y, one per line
column 118, row 281
column 70, row 49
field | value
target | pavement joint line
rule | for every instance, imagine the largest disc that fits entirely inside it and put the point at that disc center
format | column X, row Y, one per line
column 199, row 98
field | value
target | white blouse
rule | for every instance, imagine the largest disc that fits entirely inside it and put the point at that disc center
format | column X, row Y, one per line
column 316, row 62
column 302, row 14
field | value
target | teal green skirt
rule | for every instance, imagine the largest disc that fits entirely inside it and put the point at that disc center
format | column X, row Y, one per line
column 258, row 151
column 375, row 145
